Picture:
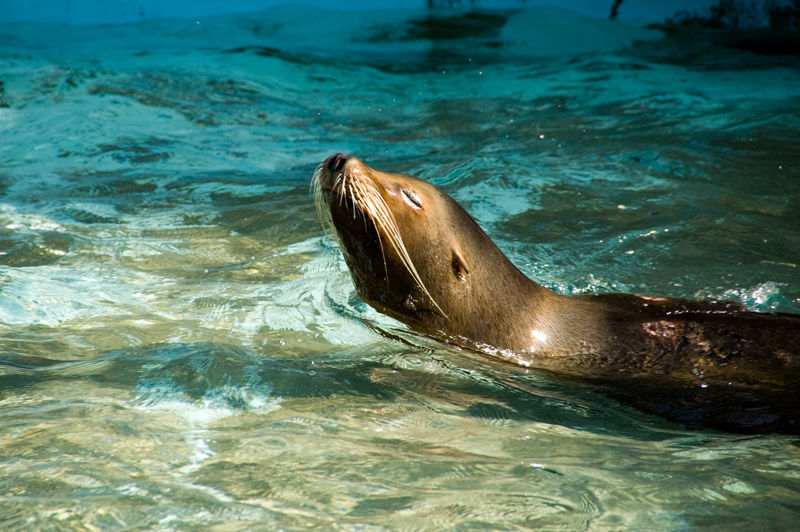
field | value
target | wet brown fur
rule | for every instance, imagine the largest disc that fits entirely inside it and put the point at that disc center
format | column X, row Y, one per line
column 709, row 364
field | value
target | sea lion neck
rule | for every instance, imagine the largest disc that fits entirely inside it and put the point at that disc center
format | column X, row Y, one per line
column 414, row 253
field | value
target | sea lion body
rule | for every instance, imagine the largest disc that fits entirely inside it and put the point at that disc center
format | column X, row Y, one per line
column 417, row 256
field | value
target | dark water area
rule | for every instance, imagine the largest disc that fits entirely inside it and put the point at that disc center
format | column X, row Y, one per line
column 181, row 347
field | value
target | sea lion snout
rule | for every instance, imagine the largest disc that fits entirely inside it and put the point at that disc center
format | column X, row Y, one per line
column 335, row 162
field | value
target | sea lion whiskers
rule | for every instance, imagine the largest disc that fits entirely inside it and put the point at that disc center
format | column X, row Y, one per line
column 382, row 215
column 323, row 212
column 346, row 192
column 370, row 198
column 365, row 195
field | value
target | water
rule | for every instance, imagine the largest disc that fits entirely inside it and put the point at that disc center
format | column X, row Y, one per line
column 182, row 348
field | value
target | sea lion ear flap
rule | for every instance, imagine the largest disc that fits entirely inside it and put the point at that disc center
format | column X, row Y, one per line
column 460, row 269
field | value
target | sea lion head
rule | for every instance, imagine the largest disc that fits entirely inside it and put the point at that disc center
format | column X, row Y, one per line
column 414, row 253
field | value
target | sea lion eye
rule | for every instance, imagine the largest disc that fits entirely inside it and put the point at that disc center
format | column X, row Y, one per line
column 411, row 198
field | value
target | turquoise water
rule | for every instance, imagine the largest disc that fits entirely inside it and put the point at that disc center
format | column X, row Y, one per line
column 182, row 349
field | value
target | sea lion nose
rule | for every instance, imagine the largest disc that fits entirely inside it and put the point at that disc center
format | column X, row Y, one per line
column 335, row 162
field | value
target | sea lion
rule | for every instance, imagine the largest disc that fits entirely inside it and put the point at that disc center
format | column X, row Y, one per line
column 417, row 256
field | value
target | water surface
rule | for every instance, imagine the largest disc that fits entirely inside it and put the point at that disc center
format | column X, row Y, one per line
column 181, row 347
